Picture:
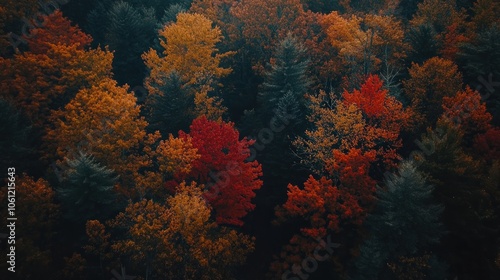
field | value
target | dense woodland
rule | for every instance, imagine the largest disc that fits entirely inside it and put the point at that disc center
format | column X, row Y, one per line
column 251, row 139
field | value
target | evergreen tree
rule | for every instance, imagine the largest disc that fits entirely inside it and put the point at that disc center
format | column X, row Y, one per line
column 481, row 63
column 129, row 31
column 287, row 74
column 171, row 13
column 170, row 108
column 405, row 223
column 283, row 106
column 86, row 190
column 423, row 43
column 16, row 139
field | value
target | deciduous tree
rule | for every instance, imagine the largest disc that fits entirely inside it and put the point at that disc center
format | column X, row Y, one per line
column 189, row 47
column 231, row 181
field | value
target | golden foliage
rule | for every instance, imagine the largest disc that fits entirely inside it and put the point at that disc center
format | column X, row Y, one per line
column 189, row 47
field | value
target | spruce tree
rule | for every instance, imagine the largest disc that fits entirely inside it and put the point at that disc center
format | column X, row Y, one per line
column 405, row 224
column 170, row 107
column 481, row 63
column 129, row 31
column 86, row 190
column 16, row 139
column 286, row 76
column 423, row 43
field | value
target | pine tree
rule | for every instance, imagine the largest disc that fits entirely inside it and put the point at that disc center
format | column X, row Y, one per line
column 170, row 108
column 423, row 43
column 481, row 63
column 16, row 138
column 129, row 31
column 287, row 76
column 87, row 189
column 405, row 223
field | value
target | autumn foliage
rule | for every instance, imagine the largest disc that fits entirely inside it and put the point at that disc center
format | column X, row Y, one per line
column 231, row 181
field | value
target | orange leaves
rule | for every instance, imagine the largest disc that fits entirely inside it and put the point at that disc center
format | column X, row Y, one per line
column 365, row 40
column 176, row 155
column 42, row 82
column 176, row 234
column 190, row 49
column 103, row 120
column 366, row 119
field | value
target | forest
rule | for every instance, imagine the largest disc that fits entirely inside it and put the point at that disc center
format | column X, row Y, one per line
column 250, row 139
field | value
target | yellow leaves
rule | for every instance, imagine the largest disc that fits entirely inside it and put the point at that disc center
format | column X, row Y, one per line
column 367, row 39
column 210, row 107
column 175, row 155
column 189, row 48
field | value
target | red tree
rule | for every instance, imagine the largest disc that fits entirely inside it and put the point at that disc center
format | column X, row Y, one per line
column 230, row 180
column 56, row 30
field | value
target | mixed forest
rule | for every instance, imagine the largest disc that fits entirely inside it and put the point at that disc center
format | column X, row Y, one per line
column 251, row 139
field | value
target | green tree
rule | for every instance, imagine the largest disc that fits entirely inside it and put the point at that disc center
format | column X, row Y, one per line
column 480, row 61
column 286, row 77
column 87, row 189
column 404, row 224
column 170, row 107
column 16, row 140
column 423, row 43
column 129, row 31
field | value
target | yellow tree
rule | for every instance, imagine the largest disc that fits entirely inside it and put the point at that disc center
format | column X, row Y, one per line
column 189, row 47
column 103, row 121
column 365, row 41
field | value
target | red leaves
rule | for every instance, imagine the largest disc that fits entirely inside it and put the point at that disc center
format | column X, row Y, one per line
column 352, row 170
column 230, row 180
column 370, row 99
column 322, row 204
column 57, row 30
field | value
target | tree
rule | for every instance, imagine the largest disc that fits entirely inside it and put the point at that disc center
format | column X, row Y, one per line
column 428, row 84
column 468, row 112
column 170, row 104
column 463, row 187
column 231, row 181
column 87, row 190
column 366, row 119
column 128, row 31
column 479, row 60
column 176, row 240
column 263, row 25
column 485, row 12
column 322, row 209
column 103, row 121
column 17, row 139
column 288, row 75
column 40, row 83
column 405, row 223
column 362, row 42
column 56, row 29
column 439, row 14
column 424, row 44
column 189, row 47
column 35, row 235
